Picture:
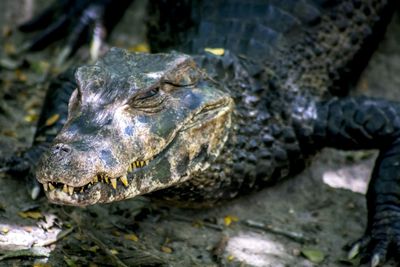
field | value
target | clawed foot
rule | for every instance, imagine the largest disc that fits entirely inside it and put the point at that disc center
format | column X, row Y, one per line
column 382, row 241
column 80, row 21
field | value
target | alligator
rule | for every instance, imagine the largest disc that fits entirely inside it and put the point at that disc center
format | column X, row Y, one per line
column 195, row 127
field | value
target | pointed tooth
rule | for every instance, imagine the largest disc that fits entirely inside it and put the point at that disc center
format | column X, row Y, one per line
column 137, row 164
column 124, row 180
column 129, row 168
column 142, row 163
column 95, row 179
column 147, row 162
column 51, row 187
column 81, row 190
column 114, row 183
column 46, row 187
column 106, row 179
column 70, row 190
column 65, row 188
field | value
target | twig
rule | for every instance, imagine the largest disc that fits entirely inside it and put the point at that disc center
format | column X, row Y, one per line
column 295, row 236
column 190, row 220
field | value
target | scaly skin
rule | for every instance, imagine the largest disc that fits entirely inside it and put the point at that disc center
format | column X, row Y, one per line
column 286, row 63
column 169, row 118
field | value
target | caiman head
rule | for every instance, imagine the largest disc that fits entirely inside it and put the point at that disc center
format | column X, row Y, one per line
column 136, row 123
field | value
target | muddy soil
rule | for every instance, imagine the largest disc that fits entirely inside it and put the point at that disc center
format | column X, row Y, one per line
column 304, row 221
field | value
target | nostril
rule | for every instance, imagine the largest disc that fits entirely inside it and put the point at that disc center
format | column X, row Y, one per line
column 61, row 149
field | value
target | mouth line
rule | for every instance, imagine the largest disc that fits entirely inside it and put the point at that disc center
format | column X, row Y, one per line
column 100, row 178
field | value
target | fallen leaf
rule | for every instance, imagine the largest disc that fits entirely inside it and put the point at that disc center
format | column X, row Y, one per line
column 313, row 255
column 131, row 237
column 166, row 249
column 114, row 251
column 31, row 117
column 229, row 219
column 53, row 119
column 31, row 214
column 70, row 262
column 215, row 51
column 142, row 47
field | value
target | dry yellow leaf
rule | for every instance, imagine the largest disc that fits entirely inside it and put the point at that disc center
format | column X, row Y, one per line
column 53, row 119
column 31, row 214
column 41, row 264
column 114, row 251
column 93, row 248
column 31, row 117
column 229, row 219
column 132, row 237
column 142, row 47
column 215, row 51
column 166, row 249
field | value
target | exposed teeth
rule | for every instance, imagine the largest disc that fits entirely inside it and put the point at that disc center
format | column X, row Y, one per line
column 124, row 180
column 137, row 164
column 70, row 190
column 51, row 187
column 98, row 178
column 114, row 183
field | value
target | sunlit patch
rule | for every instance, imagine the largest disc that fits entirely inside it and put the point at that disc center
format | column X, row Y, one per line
column 257, row 250
column 351, row 178
column 25, row 237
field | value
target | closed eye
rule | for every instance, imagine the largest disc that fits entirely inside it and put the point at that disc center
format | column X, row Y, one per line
column 148, row 94
column 149, row 101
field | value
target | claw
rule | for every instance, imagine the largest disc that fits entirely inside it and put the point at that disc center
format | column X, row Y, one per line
column 354, row 251
column 375, row 260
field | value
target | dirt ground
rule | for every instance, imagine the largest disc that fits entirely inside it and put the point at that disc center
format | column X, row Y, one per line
column 304, row 221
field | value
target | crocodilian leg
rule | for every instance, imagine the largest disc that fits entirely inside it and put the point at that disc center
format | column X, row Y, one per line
column 367, row 123
column 51, row 120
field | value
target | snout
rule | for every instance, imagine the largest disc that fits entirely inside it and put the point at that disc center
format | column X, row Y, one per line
column 60, row 151
column 64, row 163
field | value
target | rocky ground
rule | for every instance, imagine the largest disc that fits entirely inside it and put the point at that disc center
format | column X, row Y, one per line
column 304, row 221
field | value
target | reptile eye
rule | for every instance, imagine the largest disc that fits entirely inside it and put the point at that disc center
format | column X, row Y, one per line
column 149, row 100
column 148, row 94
